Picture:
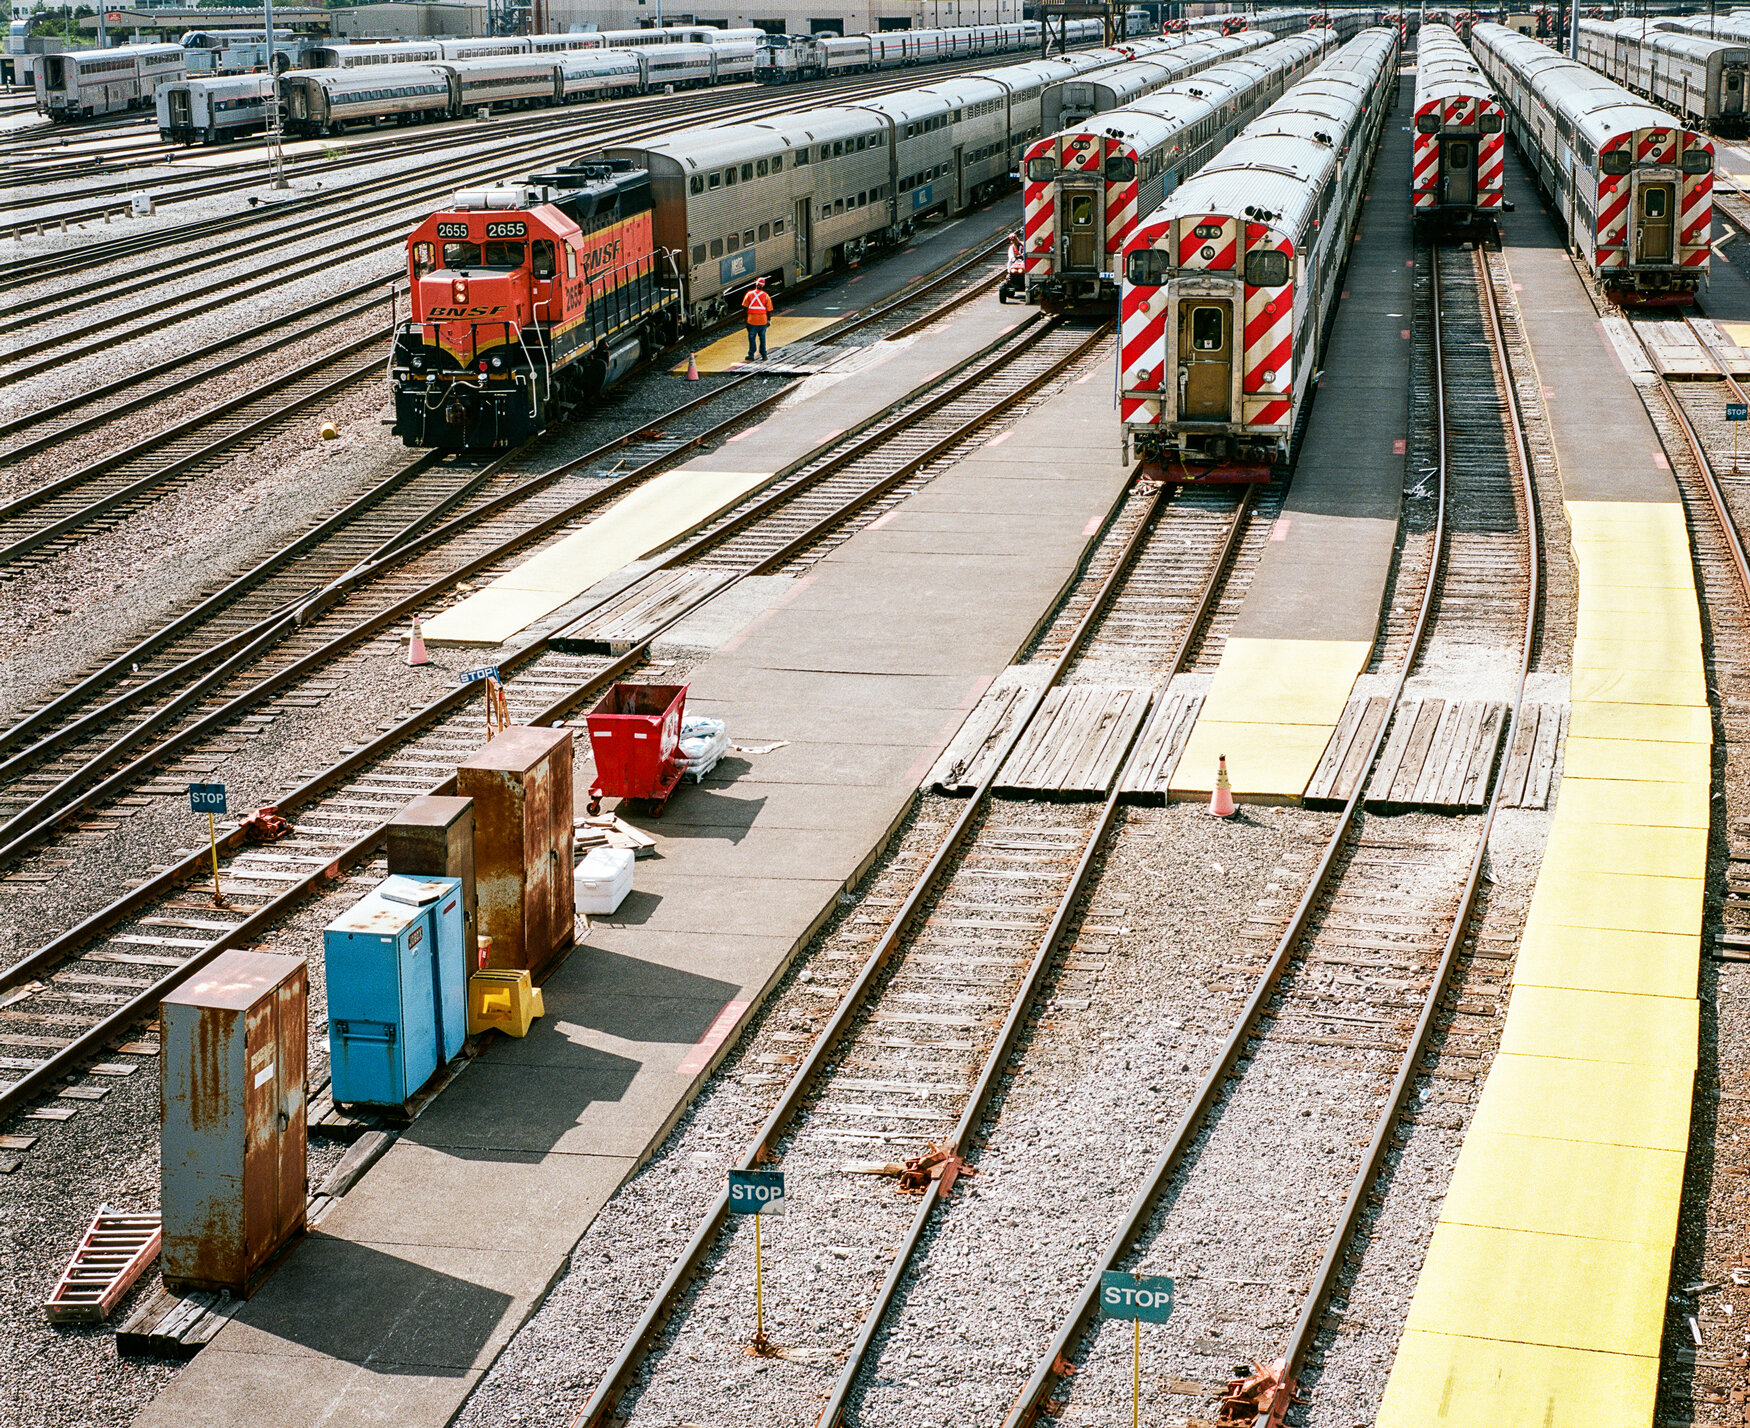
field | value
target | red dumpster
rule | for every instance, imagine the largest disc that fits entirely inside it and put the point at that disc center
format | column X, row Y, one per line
column 635, row 735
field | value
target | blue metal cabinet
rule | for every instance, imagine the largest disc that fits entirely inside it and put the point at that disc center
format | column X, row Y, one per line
column 397, row 989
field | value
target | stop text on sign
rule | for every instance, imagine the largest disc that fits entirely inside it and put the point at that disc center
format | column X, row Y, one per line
column 756, row 1192
column 1148, row 1297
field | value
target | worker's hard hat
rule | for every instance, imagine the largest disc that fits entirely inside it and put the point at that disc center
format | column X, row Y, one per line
column 759, row 282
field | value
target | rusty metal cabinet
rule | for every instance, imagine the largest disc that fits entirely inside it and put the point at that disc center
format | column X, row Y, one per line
column 522, row 791
column 231, row 1083
column 434, row 837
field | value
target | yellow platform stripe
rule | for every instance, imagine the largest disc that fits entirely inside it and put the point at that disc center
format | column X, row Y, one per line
column 654, row 515
column 1270, row 710
column 1542, row 1298
column 725, row 352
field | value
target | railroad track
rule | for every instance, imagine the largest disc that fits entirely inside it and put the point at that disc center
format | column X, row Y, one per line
column 48, row 520
column 338, row 814
column 1354, row 966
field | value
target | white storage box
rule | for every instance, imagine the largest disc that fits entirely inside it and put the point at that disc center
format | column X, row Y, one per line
column 604, row 878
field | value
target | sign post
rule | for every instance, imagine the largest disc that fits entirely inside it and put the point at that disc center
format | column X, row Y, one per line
column 1736, row 412
column 209, row 798
column 757, row 1193
column 1136, row 1297
column 497, row 713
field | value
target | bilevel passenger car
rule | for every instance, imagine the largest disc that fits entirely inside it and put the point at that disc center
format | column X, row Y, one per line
column 783, row 59
column 1458, row 154
column 81, row 84
column 1174, row 57
column 1634, row 187
column 209, row 111
column 527, row 299
column 1229, row 284
column 1085, row 189
column 1698, row 79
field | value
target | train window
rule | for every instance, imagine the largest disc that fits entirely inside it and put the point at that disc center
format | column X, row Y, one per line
column 716, row 180
column 1206, row 329
column 778, row 164
column 802, row 155
column 838, row 148
column 733, row 241
column 1265, row 269
column 543, row 258
column 570, row 261
column 461, row 255
column 1040, row 170
column 1613, row 162
column 777, row 228
column 1120, row 168
column 863, row 199
column 838, row 205
column 1427, row 123
column 905, row 184
column 746, row 172
column 1488, row 124
column 424, row 258
column 729, row 176
column 760, row 169
column 826, row 210
column 765, row 231
column 502, row 255
column 716, row 247
column 1148, row 267
column 698, row 254
column 1653, row 201
column 747, row 239
column 696, row 184
column 1698, row 161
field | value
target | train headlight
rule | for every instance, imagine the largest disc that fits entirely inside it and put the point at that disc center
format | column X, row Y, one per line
column 1208, row 252
column 498, row 361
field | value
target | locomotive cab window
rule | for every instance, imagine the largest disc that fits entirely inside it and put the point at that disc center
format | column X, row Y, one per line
column 424, row 258
column 1489, row 124
column 1148, row 267
column 502, row 255
column 461, row 255
column 1698, row 161
column 570, row 261
column 1613, row 162
column 1118, row 169
column 1427, row 123
column 1265, row 269
column 544, row 267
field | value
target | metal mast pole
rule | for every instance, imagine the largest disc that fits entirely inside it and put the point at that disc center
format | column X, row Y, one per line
column 276, row 163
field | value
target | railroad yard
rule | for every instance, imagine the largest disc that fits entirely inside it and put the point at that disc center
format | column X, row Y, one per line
column 1213, row 769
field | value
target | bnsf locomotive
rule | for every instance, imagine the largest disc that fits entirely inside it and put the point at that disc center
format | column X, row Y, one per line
column 527, row 300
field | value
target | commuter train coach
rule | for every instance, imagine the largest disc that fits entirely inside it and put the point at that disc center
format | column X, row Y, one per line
column 1229, row 285
column 82, row 84
column 1154, row 64
column 1634, row 187
column 1696, row 78
column 1458, row 154
column 1086, row 188
column 489, row 351
column 344, row 54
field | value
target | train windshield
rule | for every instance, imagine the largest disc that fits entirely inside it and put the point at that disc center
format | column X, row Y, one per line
column 483, row 255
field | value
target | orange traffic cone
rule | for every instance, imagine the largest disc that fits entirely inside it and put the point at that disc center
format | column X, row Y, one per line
column 692, row 368
column 416, row 646
column 1221, row 802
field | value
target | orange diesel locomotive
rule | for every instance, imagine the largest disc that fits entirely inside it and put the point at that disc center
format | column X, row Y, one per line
column 527, row 300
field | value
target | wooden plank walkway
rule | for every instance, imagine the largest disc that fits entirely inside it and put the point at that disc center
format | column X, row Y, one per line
column 1150, row 775
column 633, row 615
column 1677, row 352
column 964, row 763
column 1530, row 766
column 1723, row 342
column 1075, row 745
column 1439, row 755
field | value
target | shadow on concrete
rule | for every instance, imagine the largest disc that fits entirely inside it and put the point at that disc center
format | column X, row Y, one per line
column 397, row 1316
column 635, row 1000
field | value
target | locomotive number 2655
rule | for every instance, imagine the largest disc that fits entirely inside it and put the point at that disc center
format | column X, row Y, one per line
column 514, row 228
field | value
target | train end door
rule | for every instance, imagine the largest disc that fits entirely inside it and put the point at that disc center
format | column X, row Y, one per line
column 959, row 177
column 804, row 235
column 1655, row 222
column 1082, row 227
column 1458, row 169
column 1206, row 359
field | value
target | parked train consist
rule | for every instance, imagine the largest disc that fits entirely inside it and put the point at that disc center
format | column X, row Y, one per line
column 1085, row 188
column 786, row 198
column 329, row 101
column 208, row 111
column 349, row 54
column 784, row 59
column 1458, row 155
column 1699, row 79
column 81, row 84
column 1175, row 57
column 1634, row 188
column 1229, row 285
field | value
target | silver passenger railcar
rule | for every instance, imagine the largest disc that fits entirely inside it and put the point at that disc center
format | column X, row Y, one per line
column 326, row 101
column 1699, row 78
column 81, row 84
column 209, row 111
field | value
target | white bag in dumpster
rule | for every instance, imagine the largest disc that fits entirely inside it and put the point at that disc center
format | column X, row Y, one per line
column 702, row 744
column 603, row 879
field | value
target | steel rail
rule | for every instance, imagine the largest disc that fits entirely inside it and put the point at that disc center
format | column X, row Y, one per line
column 1698, row 450
column 82, row 1047
column 21, row 840
column 971, row 1119
column 1319, row 1290
column 1054, row 1365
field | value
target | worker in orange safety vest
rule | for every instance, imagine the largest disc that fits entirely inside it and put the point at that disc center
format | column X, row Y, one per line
column 758, row 306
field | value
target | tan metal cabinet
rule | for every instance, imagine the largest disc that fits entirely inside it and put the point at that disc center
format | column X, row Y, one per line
column 522, row 791
column 232, row 1138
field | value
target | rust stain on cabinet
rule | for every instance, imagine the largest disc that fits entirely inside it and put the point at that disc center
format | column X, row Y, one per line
column 233, row 1133
column 522, row 791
